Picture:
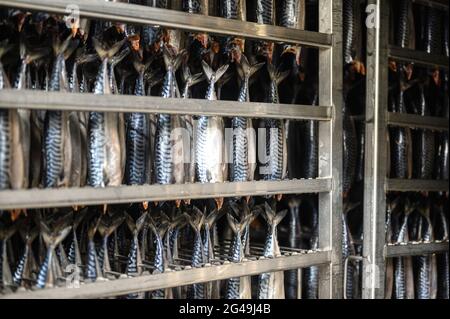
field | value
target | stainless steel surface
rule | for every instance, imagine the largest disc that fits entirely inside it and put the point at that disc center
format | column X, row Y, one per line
column 375, row 155
column 37, row 198
column 330, row 152
column 418, row 57
column 438, row 4
column 376, row 151
column 417, row 121
column 416, row 185
column 150, row 104
column 416, row 248
column 329, row 42
column 178, row 278
column 175, row 19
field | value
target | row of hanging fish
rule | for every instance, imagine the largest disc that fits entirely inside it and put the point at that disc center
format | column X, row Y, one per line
column 413, row 218
column 419, row 153
column 68, row 148
column 57, row 247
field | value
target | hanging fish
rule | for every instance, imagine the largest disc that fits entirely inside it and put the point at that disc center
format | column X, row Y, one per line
column 93, row 270
column 271, row 285
column 427, row 265
column 196, row 220
column 400, row 138
column 74, row 255
column 442, row 259
column 164, row 157
column 212, row 288
column 391, row 208
column 104, row 154
column 349, row 150
column 240, row 287
column 312, row 273
column 403, row 268
column 137, row 169
column 108, row 224
column 53, row 234
column 275, row 153
column 188, row 121
column 27, row 268
column 134, row 265
column 159, row 228
column 348, row 249
column 210, row 151
column 424, row 144
column 243, row 166
column 57, row 152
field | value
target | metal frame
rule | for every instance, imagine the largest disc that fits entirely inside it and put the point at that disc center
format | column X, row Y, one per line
column 375, row 250
column 328, row 40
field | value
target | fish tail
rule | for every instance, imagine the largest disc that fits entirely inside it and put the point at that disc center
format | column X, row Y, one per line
column 275, row 75
column 172, row 61
column 245, row 70
column 271, row 216
column 213, row 217
column 93, row 226
column 196, row 220
column 105, row 53
column 211, row 75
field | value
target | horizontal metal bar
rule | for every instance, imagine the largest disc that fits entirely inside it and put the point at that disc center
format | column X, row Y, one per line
column 62, row 197
column 126, row 286
column 30, row 99
column 416, row 248
column 417, row 121
column 136, row 14
column 418, row 57
column 416, row 185
column 438, row 4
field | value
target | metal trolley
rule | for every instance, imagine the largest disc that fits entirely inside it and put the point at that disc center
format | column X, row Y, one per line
column 375, row 249
column 328, row 40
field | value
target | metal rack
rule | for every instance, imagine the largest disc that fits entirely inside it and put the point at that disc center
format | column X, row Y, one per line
column 375, row 250
column 328, row 40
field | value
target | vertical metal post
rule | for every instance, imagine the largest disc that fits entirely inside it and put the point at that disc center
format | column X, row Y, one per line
column 330, row 149
column 376, row 153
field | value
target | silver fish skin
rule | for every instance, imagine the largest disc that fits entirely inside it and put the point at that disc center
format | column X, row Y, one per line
column 138, row 145
column 56, row 141
column 403, row 268
column 187, row 124
column 275, row 164
column 98, row 152
column 427, row 264
column 5, row 127
column 27, row 264
column 348, row 249
column 265, row 13
column 238, row 288
column 20, row 126
column 134, row 255
column 443, row 260
column 159, row 227
column 244, row 142
column 210, row 151
column 271, row 285
column 164, row 156
column 49, row 269
column 212, row 288
column 108, row 224
column 196, row 220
